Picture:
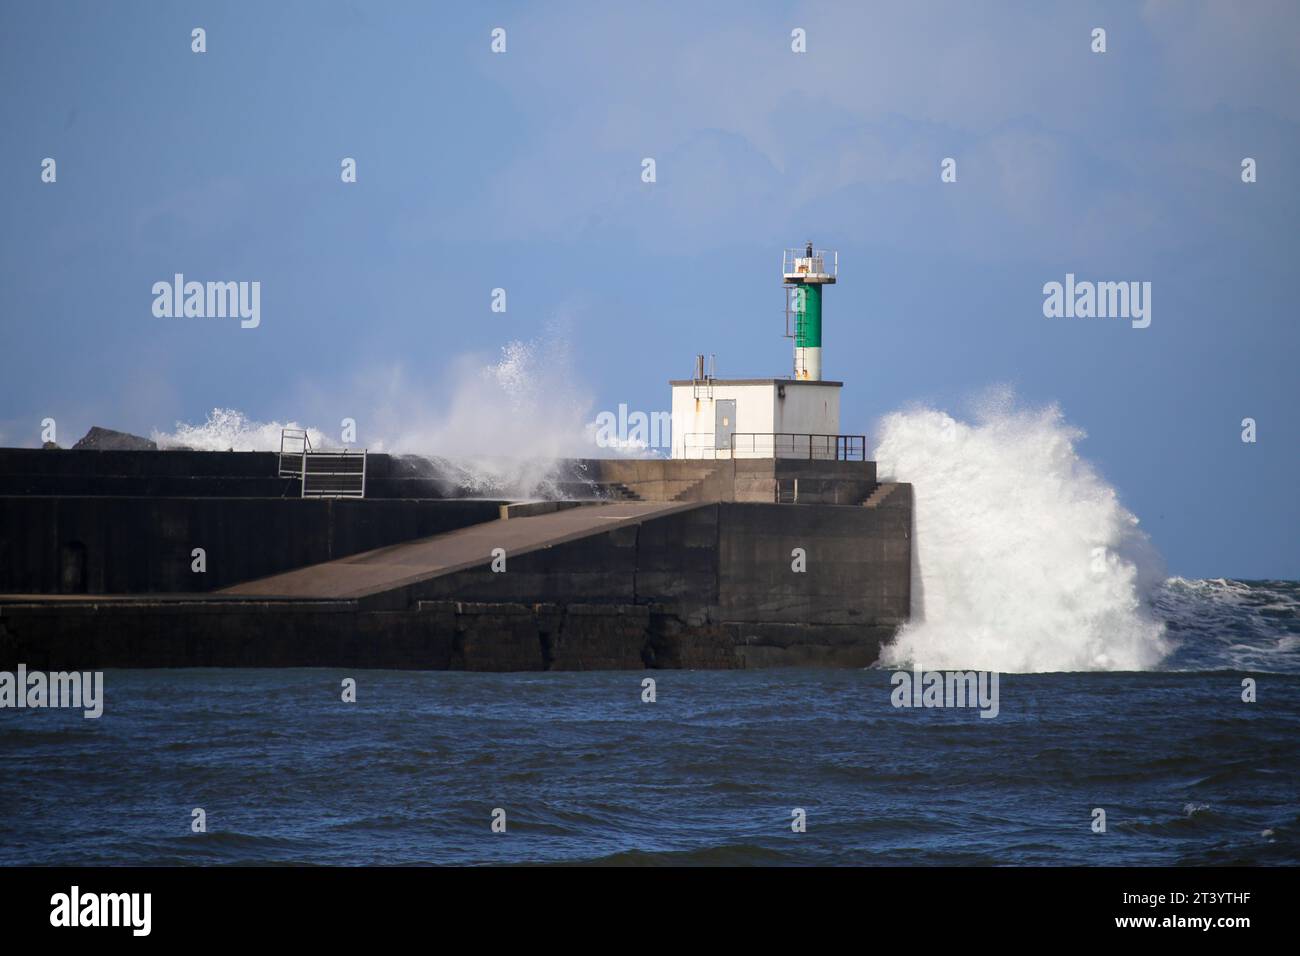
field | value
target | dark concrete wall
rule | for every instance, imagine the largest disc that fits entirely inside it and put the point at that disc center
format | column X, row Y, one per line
column 182, row 464
column 855, row 592
column 857, row 560
column 708, row 587
column 726, row 571
column 189, row 474
column 143, row 633
column 143, row 545
column 430, row 636
column 735, row 557
column 672, row 559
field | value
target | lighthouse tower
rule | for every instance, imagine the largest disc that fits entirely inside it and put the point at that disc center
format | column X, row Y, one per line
column 796, row 417
column 804, row 273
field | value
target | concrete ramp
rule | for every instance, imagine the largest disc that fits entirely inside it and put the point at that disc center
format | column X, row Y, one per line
column 400, row 565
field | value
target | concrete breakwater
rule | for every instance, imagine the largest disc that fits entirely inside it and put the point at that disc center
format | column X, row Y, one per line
column 662, row 564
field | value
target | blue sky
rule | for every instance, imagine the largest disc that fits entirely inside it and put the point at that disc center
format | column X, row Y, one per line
column 522, row 171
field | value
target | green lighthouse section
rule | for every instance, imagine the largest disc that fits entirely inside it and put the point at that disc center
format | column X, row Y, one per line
column 808, row 328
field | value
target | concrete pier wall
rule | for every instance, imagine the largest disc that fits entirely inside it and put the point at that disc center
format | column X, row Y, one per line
column 711, row 586
column 726, row 570
column 211, row 474
column 141, row 632
column 708, row 583
column 744, row 479
column 207, row 474
column 112, row 545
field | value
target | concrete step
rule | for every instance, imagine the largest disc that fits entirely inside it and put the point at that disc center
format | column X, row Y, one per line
column 881, row 492
column 617, row 491
column 687, row 493
column 534, row 507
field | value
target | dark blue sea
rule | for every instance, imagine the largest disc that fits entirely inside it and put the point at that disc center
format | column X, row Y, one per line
column 586, row 772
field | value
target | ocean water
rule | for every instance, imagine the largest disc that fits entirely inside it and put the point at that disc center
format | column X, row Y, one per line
column 1120, row 690
column 707, row 774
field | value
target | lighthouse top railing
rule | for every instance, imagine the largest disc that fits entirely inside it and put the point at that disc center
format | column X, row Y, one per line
column 797, row 262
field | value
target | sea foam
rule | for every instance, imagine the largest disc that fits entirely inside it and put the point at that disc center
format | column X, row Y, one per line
column 1024, row 560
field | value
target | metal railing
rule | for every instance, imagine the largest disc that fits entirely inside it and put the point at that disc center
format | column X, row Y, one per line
column 327, row 474
column 294, row 443
column 777, row 445
column 796, row 262
column 795, row 445
column 702, row 445
column 324, row 474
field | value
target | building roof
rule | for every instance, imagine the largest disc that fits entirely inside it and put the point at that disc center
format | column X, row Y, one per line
column 753, row 381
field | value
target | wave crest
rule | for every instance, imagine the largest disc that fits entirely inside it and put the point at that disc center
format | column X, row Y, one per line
column 1024, row 561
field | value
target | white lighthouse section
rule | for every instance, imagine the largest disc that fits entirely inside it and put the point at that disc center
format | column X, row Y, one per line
column 755, row 418
column 808, row 363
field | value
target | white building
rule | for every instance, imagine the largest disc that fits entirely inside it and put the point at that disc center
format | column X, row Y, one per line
column 756, row 418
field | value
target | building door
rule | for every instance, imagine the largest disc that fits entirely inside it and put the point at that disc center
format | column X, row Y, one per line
column 72, row 569
column 724, row 422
